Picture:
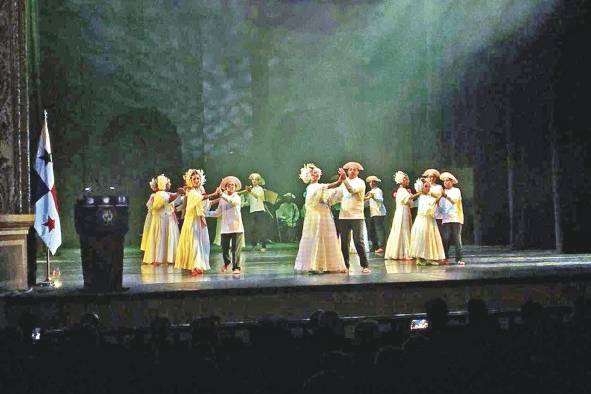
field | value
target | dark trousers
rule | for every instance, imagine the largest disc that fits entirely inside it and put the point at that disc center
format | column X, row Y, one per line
column 440, row 226
column 257, row 232
column 335, row 216
column 231, row 242
column 376, row 231
column 345, row 228
column 288, row 234
column 452, row 235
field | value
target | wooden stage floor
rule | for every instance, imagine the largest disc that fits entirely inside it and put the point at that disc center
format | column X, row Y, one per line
column 274, row 268
column 269, row 286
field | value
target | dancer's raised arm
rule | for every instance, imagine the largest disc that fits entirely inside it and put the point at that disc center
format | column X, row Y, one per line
column 339, row 181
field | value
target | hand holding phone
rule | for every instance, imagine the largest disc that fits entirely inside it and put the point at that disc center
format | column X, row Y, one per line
column 418, row 324
column 36, row 334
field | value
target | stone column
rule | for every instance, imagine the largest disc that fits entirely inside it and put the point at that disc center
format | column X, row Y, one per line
column 15, row 190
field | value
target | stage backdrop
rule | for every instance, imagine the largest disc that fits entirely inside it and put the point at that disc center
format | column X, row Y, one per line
column 139, row 88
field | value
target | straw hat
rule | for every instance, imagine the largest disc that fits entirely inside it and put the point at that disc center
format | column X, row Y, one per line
column 256, row 175
column 372, row 178
column 431, row 171
column 233, row 179
column 353, row 164
column 448, row 175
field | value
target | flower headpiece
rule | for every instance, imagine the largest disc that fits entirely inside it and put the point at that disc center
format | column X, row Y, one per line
column 162, row 182
column 399, row 176
column 153, row 184
column 189, row 174
column 419, row 185
column 306, row 172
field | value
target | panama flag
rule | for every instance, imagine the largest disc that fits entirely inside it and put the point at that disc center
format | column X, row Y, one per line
column 47, row 221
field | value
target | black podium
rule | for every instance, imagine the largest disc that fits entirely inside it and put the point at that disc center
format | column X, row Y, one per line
column 102, row 222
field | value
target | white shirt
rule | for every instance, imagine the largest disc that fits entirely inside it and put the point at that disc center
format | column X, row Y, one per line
column 229, row 213
column 178, row 203
column 352, row 203
column 256, row 197
column 436, row 191
column 452, row 213
column 376, row 203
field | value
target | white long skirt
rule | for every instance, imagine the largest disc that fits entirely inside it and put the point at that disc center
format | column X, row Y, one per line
column 319, row 250
column 398, row 245
column 425, row 240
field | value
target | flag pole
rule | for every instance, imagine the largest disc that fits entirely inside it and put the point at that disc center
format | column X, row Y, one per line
column 47, row 282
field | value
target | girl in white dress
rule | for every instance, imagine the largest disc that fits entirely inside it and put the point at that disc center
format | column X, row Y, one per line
column 398, row 245
column 320, row 249
column 193, row 248
column 425, row 240
column 163, row 233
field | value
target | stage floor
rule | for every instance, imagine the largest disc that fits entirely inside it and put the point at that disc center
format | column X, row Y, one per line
column 274, row 268
column 269, row 286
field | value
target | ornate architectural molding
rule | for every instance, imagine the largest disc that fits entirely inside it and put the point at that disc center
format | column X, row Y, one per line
column 14, row 109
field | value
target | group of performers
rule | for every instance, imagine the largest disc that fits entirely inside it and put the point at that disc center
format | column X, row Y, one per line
column 326, row 237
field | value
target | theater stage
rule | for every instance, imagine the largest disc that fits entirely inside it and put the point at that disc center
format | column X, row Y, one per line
column 269, row 286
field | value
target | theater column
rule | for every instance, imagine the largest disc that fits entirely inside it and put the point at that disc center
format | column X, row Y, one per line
column 15, row 208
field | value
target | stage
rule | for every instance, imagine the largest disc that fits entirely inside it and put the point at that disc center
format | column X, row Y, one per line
column 269, row 286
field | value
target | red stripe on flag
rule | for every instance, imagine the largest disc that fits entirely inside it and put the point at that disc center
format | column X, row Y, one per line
column 54, row 194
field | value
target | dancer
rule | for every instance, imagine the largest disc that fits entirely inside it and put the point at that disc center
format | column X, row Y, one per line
column 377, row 213
column 351, row 217
column 256, row 202
column 425, row 240
column 398, row 246
column 432, row 175
column 287, row 216
column 154, row 189
column 163, row 233
column 319, row 249
column 230, row 222
column 193, row 248
column 453, row 216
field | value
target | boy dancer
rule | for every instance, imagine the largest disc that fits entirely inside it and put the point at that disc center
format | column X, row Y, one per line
column 256, row 201
column 351, row 216
column 453, row 216
column 232, row 230
column 377, row 213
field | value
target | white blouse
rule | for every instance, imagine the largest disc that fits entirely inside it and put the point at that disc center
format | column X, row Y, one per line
column 229, row 213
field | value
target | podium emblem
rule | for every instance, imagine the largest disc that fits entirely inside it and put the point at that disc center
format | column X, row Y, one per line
column 107, row 217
